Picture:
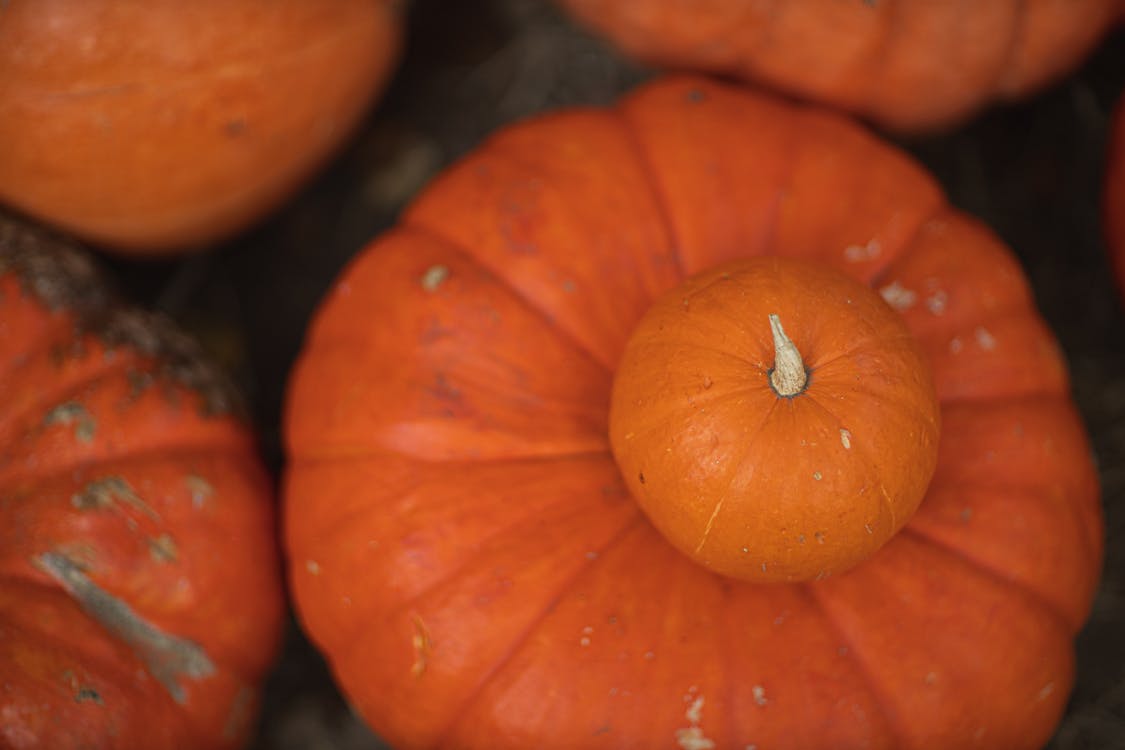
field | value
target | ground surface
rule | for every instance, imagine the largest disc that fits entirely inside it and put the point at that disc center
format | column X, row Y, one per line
column 1031, row 171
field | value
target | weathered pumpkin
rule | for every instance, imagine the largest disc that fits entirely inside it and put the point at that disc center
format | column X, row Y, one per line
column 166, row 126
column 141, row 603
column 465, row 551
column 1113, row 201
column 907, row 65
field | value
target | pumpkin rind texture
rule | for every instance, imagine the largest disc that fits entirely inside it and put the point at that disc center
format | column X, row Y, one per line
column 140, row 596
column 467, row 555
column 161, row 127
column 1113, row 206
column 760, row 484
column 911, row 66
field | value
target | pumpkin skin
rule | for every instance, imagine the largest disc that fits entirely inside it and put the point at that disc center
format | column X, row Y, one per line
column 906, row 65
column 1113, row 207
column 161, row 127
column 755, row 480
column 140, row 602
column 463, row 548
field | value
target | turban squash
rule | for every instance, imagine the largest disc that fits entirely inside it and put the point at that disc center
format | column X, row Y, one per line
column 466, row 552
column 907, row 65
column 164, row 126
column 140, row 601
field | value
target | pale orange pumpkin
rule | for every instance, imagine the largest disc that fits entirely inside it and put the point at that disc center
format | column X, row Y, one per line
column 463, row 547
column 163, row 126
column 909, row 65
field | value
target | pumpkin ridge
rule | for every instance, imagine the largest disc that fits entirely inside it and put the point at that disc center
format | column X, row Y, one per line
column 638, row 100
column 734, row 468
column 938, row 212
column 1092, row 527
column 518, row 642
column 417, row 596
column 880, row 698
column 659, row 199
column 410, row 222
column 210, row 446
column 1066, row 623
column 861, row 448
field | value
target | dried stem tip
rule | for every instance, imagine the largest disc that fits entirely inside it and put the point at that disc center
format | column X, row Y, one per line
column 788, row 375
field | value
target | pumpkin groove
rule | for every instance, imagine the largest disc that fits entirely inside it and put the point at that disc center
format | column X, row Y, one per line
column 638, row 647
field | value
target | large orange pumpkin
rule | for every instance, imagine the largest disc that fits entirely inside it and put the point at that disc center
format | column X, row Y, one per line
column 464, row 548
column 164, row 126
column 1113, row 206
column 908, row 65
column 140, row 603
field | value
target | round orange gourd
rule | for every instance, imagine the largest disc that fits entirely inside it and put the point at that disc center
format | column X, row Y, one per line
column 770, row 452
column 166, row 126
column 1113, row 201
column 465, row 549
column 140, row 601
column 907, row 65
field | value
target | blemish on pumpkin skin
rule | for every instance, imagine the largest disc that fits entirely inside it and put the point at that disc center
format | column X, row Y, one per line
column 863, row 253
column 111, row 492
column 846, row 439
column 434, row 277
column 200, row 489
column 420, row 642
column 82, row 693
column 168, row 658
column 759, row 694
column 73, row 413
column 898, row 296
column 1045, row 691
column 985, row 340
column 692, row 736
column 313, row 567
column 163, row 549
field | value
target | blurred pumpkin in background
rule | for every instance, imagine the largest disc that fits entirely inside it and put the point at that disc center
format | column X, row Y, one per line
column 472, row 559
column 140, row 596
column 910, row 66
column 166, row 126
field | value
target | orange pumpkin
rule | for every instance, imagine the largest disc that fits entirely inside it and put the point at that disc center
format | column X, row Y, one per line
column 141, row 603
column 766, row 459
column 163, row 126
column 907, row 65
column 1113, row 207
column 464, row 548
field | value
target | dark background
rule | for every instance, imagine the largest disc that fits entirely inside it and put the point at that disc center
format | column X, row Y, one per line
column 1032, row 171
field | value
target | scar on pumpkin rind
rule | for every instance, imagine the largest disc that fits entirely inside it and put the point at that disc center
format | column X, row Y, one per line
column 166, row 657
column 58, row 272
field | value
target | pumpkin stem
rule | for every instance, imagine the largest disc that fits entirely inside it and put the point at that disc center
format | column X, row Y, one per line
column 788, row 376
